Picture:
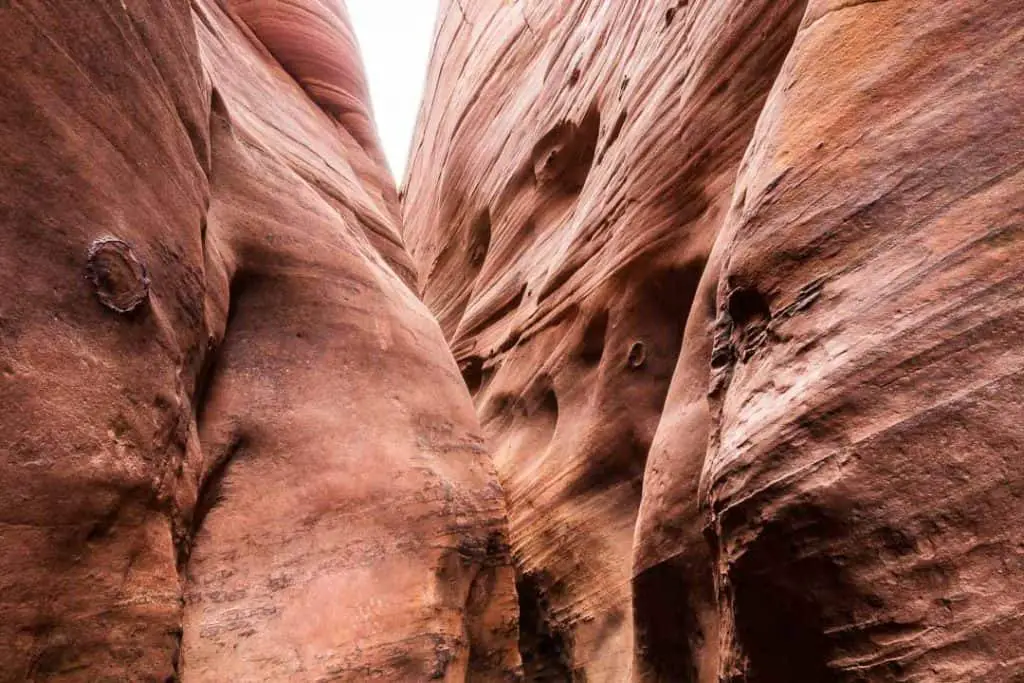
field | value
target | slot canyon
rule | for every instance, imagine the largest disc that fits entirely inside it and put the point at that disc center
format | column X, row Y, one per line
column 688, row 349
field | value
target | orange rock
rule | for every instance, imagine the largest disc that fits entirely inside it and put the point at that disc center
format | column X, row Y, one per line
column 735, row 287
column 236, row 444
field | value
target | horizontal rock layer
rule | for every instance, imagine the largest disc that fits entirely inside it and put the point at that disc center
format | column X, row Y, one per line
column 736, row 288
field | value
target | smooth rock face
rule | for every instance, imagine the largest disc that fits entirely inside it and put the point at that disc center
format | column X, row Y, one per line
column 235, row 444
column 737, row 288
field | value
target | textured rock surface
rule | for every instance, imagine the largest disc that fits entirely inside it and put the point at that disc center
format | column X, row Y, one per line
column 235, row 444
column 736, row 286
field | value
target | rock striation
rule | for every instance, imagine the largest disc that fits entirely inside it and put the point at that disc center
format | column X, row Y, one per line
column 691, row 351
column 736, row 288
column 235, row 444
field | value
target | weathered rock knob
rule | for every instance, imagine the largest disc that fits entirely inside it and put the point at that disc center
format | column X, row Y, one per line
column 120, row 279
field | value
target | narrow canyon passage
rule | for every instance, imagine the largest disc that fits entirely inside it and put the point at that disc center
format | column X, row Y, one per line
column 688, row 350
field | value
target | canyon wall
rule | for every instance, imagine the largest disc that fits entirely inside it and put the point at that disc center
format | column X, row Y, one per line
column 235, row 444
column 736, row 286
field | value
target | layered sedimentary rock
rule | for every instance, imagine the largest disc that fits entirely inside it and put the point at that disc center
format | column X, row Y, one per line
column 736, row 287
column 235, row 444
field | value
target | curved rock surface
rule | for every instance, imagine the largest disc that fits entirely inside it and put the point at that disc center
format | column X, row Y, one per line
column 736, row 287
column 235, row 444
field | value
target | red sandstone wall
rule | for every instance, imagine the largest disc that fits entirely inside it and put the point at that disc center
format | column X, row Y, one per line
column 736, row 288
column 269, row 469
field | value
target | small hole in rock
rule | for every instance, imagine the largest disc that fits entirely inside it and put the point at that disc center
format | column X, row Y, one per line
column 472, row 370
column 747, row 305
column 592, row 344
column 637, row 355
column 721, row 355
column 479, row 240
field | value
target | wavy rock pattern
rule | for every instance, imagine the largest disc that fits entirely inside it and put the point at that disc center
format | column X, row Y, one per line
column 236, row 446
column 735, row 286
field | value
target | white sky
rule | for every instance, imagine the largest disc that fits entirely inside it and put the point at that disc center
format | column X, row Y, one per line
column 395, row 38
